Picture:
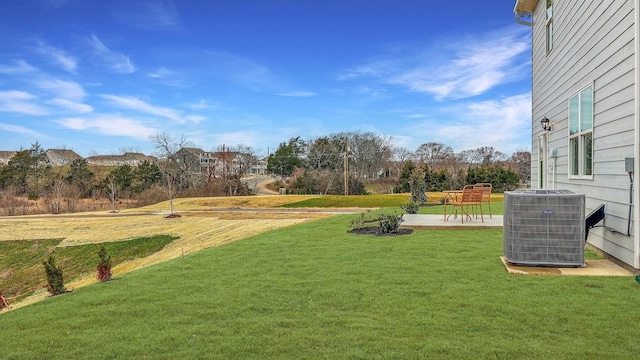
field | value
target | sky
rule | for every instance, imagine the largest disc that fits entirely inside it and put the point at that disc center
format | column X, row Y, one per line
column 101, row 77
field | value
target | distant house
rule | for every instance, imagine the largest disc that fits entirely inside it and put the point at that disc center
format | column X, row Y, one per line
column 195, row 160
column 586, row 111
column 129, row 158
column 260, row 167
column 5, row 156
column 58, row 157
column 215, row 164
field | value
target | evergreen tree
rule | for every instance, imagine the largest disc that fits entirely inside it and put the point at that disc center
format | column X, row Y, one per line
column 55, row 280
column 418, row 186
column 80, row 175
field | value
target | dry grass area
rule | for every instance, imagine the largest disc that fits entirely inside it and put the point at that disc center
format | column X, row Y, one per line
column 227, row 202
column 197, row 229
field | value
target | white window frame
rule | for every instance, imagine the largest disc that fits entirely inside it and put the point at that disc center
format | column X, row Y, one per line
column 549, row 26
column 580, row 136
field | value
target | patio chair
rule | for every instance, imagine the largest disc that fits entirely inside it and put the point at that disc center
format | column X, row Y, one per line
column 487, row 188
column 468, row 202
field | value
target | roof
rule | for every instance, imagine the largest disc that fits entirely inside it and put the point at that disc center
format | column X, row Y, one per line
column 62, row 156
column 524, row 6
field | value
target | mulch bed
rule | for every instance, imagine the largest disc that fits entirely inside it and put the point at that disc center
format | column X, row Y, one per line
column 377, row 231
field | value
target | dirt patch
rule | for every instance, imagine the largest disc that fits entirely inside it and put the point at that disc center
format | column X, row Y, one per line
column 377, row 231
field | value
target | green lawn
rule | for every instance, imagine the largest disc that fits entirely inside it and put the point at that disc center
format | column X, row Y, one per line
column 351, row 201
column 315, row 291
column 22, row 259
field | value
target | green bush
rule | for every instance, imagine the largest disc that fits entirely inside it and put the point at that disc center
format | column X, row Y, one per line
column 390, row 223
column 55, row 280
column 411, row 207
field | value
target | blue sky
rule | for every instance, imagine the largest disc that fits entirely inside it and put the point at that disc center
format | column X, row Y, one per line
column 102, row 76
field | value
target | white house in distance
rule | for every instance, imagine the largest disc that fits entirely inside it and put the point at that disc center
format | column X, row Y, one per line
column 585, row 111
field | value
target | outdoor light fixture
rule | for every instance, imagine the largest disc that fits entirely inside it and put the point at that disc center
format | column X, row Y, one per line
column 546, row 124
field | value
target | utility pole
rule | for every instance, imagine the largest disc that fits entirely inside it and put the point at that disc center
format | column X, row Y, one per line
column 346, row 166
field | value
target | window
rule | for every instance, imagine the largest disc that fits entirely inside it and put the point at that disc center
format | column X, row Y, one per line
column 581, row 134
column 549, row 26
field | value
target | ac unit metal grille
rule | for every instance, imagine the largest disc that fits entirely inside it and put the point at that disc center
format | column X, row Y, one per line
column 544, row 227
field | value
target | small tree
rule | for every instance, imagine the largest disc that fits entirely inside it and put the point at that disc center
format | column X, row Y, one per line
column 104, row 266
column 418, row 186
column 55, row 281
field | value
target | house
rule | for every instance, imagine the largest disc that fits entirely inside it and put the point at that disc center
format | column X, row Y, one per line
column 194, row 160
column 128, row 158
column 5, row 156
column 586, row 111
column 260, row 167
column 58, row 157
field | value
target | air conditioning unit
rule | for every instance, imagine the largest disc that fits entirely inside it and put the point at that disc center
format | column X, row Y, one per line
column 544, row 228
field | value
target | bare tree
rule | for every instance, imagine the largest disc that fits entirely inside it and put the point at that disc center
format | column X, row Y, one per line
column 233, row 164
column 57, row 193
column 112, row 191
column 437, row 155
column 369, row 153
column 520, row 162
column 176, row 161
column 486, row 155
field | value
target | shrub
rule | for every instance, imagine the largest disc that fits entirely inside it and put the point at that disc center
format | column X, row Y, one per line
column 55, row 280
column 362, row 220
column 104, row 266
column 411, row 207
column 418, row 186
column 390, row 223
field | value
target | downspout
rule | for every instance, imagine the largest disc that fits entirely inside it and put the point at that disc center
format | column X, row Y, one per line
column 636, row 134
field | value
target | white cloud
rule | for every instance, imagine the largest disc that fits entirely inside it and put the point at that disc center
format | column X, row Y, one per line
column 242, row 70
column 135, row 104
column 110, row 124
column 118, row 62
column 20, row 102
column 298, row 94
column 456, row 70
column 21, row 130
column 59, row 56
column 472, row 71
column 195, row 119
column 73, row 106
column 200, row 105
column 20, row 68
column 132, row 103
column 149, row 15
column 61, row 88
column 161, row 73
column 504, row 124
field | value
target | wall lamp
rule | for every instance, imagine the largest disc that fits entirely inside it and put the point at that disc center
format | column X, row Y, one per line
column 546, row 124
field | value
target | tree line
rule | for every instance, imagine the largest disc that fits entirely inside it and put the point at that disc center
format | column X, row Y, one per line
column 338, row 163
column 358, row 161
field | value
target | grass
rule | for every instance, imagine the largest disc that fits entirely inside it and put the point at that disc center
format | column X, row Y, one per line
column 21, row 260
column 364, row 201
column 351, row 201
column 315, row 291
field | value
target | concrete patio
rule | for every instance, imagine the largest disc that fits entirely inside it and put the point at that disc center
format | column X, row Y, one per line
column 426, row 222
column 601, row 267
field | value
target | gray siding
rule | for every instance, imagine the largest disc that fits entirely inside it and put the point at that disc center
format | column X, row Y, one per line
column 593, row 44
